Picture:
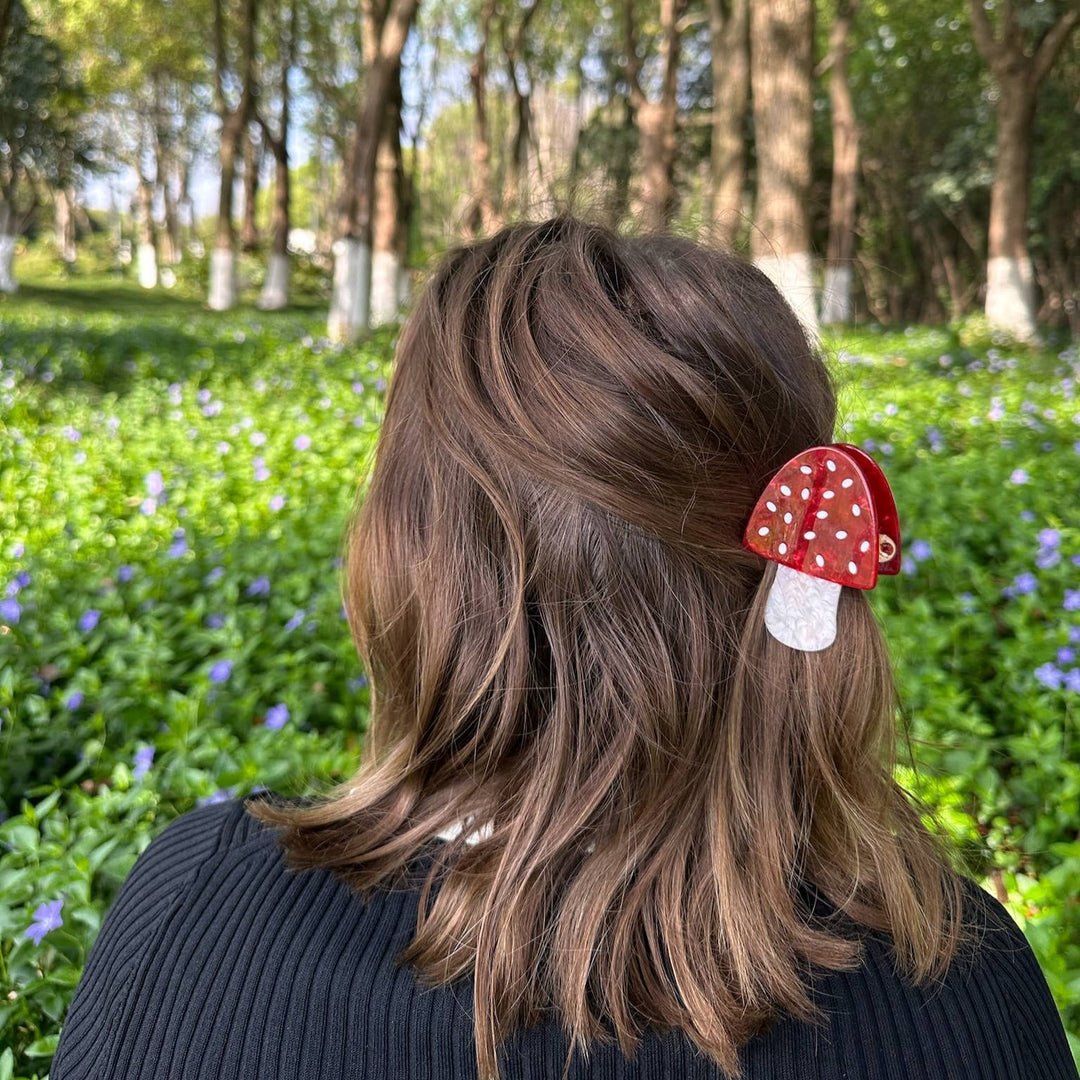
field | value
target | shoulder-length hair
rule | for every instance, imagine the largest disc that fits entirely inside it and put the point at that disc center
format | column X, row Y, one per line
column 565, row 639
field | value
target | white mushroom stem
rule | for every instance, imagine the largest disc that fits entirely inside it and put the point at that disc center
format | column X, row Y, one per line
column 801, row 609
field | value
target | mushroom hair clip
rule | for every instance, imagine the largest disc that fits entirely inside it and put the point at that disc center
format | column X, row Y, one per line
column 828, row 518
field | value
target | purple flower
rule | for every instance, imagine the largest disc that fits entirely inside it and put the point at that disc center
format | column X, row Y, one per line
column 358, row 683
column 10, row 609
column 221, row 671
column 920, row 550
column 18, row 551
column 179, row 545
column 155, row 485
column 257, row 438
column 357, row 387
column 1022, row 584
column 215, row 622
column 1049, row 538
column 214, row 576
column 1027, row 515
column 204, row 396
column 144, row 757
column 302, row 442
column 1065, row 655
column 908, row 565
column 380, row 384
column 259, row 587
column 148, row 505
column 125, row 573
column 277, row 502
column 1072, row 600
column 219, row 796
column 46, row 918
column 1019, row 476
column 18, row 582
column 89, row 619
column 276, row 716
column 1074, row 634
column 1049, row 676
column 295, row 621
column 262, row 473
column 1072, row 680
column 73, row 701
column 1046, row 558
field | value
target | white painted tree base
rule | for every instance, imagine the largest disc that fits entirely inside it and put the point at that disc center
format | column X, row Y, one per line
column 1010, row 297
column 350, row 300
column 222, row 279
column 8, row 284
column 836, row 295
column 384, row 287
column 275, row 290
column 146, row 260
column 793, row 276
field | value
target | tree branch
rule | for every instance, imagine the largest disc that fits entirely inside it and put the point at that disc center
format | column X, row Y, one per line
column 1047, row 51
column 985, row 41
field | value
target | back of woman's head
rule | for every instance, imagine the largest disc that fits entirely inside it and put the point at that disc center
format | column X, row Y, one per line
column 566, row 646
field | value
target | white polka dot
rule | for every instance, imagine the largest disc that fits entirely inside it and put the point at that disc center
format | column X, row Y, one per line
column 763, row 531
column 841, row 535
column 820, row 561
column 828, row 494
column 830, row 464
column 784, row 489
column 809, row 535
column 855, row 509
column 865, row 545
column 787, row 519
column 806, row 469
column 771, row 505
column 851, row 568
column 806, row 493
column 823, row 513
column 783, row 549
column 847, row 483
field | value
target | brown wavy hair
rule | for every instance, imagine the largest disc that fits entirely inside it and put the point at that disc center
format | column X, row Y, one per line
column 565, row 640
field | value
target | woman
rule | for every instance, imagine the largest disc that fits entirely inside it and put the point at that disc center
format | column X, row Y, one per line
column 607, row 825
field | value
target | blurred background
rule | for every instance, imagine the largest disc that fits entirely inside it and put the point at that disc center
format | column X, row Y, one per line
column 213, row 217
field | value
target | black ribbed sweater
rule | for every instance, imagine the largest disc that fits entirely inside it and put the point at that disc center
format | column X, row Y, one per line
column 215, row 961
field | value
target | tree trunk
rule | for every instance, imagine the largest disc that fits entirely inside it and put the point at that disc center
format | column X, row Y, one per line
column 781, row 37
column 146, row 254
column 64, row 200
column 518, row 190
column 657, row 123
column 8, row 238
column 249, row 230
column 222, row 257
column 839, row 261
column 384, row 259
column 1010, row 284
column 730, row 49
column 233, row 122
column 480, row 218
column 275, row 290
column 350, row 301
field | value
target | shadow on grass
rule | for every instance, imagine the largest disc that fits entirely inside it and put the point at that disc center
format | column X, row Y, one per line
column 60, row 330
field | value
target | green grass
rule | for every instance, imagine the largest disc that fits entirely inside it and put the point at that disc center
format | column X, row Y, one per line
column 103, row 385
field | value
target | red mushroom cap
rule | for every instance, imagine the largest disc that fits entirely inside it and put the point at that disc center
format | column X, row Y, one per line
column 828, row 512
